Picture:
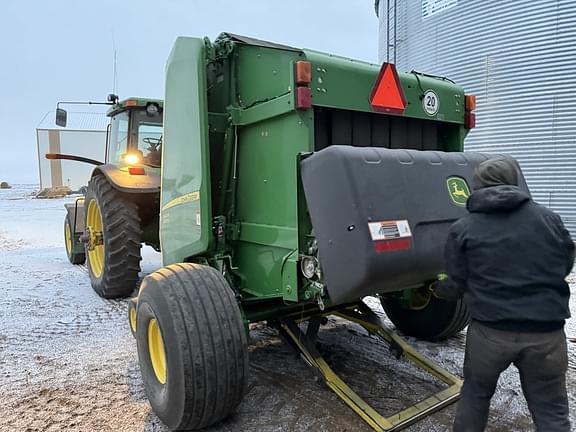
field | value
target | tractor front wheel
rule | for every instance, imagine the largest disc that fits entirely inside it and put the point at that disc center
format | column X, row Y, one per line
column 132, row 306
column 72, row 244
column 192, row 345
column 112, row 232
column 428, row 317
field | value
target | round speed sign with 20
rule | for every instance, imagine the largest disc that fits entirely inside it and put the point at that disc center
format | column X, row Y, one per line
column 430, row 103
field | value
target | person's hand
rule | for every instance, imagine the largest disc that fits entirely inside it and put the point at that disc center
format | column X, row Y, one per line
column 439, row 278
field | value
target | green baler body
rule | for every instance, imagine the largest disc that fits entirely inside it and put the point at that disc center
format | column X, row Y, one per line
column 233, row 139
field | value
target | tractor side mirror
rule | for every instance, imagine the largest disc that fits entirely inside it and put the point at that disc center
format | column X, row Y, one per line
column 61, row 117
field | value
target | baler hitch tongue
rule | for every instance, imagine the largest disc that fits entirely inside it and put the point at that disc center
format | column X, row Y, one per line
column 364, row 316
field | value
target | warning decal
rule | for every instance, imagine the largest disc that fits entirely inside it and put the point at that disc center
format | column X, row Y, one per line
column 389, row 230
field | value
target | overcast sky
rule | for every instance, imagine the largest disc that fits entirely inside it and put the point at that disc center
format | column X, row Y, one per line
column 63, row 50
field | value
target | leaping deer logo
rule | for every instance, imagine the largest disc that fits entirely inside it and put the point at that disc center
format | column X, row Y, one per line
column 458, row 189
column 457, row 192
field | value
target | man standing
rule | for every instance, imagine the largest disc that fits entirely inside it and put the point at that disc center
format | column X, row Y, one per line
column 509, row 258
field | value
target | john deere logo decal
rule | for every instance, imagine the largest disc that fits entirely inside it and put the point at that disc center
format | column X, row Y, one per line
column 458, row 189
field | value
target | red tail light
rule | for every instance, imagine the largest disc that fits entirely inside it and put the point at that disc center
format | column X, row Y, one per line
column 469, row 120
column 136, row 171
column 303, row 98
column 302, row 78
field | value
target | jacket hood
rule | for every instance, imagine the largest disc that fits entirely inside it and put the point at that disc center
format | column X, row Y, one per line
column 496, row 171
column 496, row 199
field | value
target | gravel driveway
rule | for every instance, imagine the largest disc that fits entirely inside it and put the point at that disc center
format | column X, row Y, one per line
column 68, row 361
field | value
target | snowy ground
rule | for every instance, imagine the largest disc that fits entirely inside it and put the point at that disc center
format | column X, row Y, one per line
column 68, row 360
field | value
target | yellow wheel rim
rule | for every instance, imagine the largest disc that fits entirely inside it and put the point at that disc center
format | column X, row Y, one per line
column 133, row 318
column 95, row 239
column 68, row 238
column 156, row 351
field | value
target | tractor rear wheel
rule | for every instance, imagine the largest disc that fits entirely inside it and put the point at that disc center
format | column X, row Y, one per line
column 433, row 319
column 192, row 345
column 113, row 240
column 71, row 242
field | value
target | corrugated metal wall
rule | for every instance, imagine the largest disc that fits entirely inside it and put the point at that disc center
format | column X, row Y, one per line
column 519, row 58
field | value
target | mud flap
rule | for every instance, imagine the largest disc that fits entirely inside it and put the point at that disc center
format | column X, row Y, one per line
column 76, row 215
column 381, row 216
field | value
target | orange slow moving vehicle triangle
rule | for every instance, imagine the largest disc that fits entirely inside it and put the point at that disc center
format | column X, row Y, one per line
column 387, row 95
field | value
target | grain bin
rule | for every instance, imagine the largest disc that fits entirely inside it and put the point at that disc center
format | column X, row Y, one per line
column 518, row 58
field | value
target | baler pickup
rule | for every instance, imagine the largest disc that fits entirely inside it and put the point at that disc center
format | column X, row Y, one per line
column 361, row 314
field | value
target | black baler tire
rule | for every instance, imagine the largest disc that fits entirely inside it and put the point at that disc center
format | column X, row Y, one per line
column 439, row 320
column 205, row 344
column 74, row 257
column 122, row 240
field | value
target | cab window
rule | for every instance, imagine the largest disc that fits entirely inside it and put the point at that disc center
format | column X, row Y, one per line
column 118, row 136
column 148, row 133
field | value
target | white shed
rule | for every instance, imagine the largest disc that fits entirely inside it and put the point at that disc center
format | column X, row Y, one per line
column 84, row 136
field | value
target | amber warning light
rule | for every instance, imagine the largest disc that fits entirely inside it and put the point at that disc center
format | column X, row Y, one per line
column 387, row 95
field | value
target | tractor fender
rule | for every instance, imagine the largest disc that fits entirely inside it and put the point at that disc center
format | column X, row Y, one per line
column 120, row 179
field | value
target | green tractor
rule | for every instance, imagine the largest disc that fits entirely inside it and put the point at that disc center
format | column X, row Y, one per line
column 295, row 183
column 120, row 208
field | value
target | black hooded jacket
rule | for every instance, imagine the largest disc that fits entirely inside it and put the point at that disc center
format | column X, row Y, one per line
column 509, row 257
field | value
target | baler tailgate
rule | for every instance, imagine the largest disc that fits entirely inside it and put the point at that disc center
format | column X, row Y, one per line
column 364, row 316
column 381, row 216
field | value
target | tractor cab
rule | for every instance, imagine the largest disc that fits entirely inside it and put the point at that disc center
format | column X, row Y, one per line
column 135, row 133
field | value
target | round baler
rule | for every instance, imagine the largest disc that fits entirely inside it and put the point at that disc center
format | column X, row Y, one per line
column 295, row 183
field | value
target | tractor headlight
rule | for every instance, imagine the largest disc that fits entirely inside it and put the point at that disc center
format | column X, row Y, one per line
column 309, row 266
column 131, row 158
